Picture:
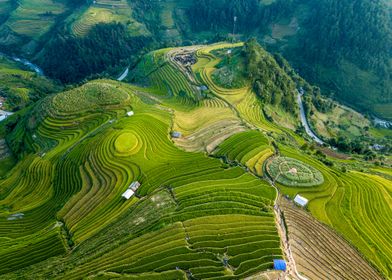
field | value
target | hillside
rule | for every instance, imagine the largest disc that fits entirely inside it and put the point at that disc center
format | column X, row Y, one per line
column 20, row 86
column 347, row 43
column 211, row 162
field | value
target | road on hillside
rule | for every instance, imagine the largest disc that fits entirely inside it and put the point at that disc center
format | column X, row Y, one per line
column 4, row 115
column 123, row 75
column 305, row 123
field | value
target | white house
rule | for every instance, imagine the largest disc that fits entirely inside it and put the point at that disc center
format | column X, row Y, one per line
column 300, row 200
column 130, row 113
column 128, row 194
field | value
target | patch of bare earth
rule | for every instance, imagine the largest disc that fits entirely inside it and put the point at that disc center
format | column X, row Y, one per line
column 319, row 252
column 208, row 138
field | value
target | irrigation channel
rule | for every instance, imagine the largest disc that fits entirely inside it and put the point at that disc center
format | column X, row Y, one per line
column 305, row 121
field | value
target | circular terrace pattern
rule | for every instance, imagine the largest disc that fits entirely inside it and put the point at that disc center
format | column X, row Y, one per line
column 292, row 172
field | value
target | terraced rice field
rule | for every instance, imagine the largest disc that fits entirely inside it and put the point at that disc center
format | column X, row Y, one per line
column 292, row 172
column 190, row 217
column 243, row 100
column 105, row 11
column 250, row 149
column 206, row 126
column 29, row 20
column 319, row 252
column 349, row 203
column 208, row 217
column 335, row 198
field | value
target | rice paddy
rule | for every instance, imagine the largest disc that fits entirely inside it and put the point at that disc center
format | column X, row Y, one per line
column 337, row 258
column 96, row 152
column 204, row 208
column 29, row 20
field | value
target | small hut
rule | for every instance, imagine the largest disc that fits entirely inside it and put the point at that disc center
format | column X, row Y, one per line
column 130, row 113
column 301, row 201
column 128, row 194
column 134, row 186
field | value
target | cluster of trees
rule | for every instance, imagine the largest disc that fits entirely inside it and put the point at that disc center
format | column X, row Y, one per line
column 270, row 82
column 217, row 15
column 321, row 103
column 71, row 59
column 357, row 30
column 362, row 145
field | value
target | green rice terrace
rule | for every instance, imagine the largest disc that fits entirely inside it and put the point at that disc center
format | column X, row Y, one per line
column 172, row 176
column 292, row 172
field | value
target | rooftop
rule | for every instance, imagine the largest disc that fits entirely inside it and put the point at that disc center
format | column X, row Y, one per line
column 128, row 194
column 301, row 200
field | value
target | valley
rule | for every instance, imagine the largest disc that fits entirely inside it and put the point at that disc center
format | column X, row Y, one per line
column 196, row 139
column 218, row 170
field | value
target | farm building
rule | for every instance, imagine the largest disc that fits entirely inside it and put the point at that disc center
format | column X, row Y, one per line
column 280, row 265
column 134, row 186
column 128, row 194
column 300, row 200
column 176, row 134
column 130, row 113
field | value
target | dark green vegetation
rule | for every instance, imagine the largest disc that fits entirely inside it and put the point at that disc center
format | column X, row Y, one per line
column 342, row 46
column 232, row 70
column 348, row 50
column 262, row 69
column 105, row 47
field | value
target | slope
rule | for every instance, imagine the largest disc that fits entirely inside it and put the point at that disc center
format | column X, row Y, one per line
column 194, row 215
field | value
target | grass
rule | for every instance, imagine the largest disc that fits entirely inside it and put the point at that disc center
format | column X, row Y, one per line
column 340, row 121
column 230, row 71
